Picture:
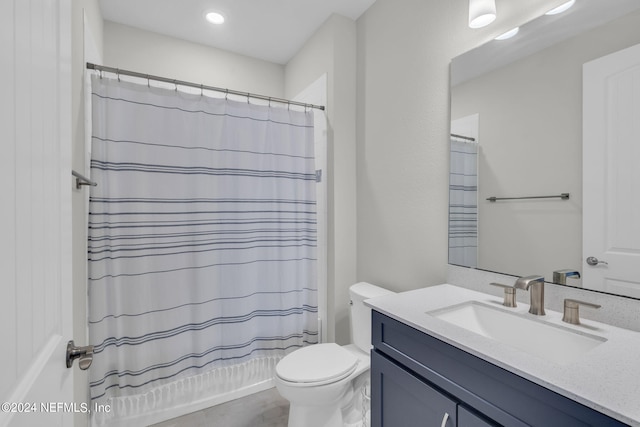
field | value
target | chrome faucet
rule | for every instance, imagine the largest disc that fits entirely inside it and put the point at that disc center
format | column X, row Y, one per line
column 535, row 286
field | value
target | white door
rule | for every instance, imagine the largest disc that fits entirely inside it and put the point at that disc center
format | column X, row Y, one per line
column 35, row 213
column 611, row 173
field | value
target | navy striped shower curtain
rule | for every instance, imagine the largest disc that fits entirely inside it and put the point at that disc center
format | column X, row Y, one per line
column 463, row 203
column 202, row 245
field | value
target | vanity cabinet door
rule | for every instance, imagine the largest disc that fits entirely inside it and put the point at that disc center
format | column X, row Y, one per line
column 400, row 399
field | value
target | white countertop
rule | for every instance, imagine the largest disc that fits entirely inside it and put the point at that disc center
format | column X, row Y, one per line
column 606, row 378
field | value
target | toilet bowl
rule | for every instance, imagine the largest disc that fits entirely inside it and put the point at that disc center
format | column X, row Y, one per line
column 318, row 380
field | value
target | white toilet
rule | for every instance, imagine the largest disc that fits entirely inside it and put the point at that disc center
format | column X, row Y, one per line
column 318, row 380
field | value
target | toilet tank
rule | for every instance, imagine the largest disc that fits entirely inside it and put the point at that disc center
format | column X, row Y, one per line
column 361, row 314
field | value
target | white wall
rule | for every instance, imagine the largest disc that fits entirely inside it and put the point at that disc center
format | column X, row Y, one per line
column 331, row 50
column 531, row 129
column 404, row 50
column 150, row 53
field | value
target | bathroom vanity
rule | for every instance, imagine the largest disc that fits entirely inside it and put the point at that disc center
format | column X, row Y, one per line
column 426, row 370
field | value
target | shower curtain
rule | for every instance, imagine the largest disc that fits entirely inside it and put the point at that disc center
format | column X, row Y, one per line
column 463, row 203
column 202, row 245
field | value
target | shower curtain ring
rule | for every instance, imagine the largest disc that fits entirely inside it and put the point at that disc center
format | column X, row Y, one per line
column 118, row 73
column 226, row 94
column 248, row 95
column 201, row 90
column 269, row 102
column 148, row 81
column 175, row 82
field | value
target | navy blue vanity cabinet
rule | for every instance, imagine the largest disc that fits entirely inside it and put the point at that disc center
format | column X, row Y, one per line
column 418, row 380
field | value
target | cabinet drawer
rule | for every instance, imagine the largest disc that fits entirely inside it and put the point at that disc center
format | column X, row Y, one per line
column 495, row 392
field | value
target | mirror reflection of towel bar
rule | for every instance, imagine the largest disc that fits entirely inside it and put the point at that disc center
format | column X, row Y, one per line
column 563, row 196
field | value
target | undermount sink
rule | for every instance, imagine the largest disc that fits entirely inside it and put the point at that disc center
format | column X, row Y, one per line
column 551, row 342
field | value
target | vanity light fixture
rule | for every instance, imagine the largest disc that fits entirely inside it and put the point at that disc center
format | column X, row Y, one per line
column 481, row 13
column 508, row 34
column 561, row 8
column 214, row 17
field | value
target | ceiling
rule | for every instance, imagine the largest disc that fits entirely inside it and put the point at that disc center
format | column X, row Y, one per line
column 272, row 30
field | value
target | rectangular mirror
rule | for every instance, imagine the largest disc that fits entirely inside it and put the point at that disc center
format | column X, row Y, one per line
column 517, row 132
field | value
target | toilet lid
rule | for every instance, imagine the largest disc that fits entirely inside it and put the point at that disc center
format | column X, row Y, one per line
column 317, row 363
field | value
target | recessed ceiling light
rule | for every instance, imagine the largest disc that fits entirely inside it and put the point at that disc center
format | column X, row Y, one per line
column 508, row 34
column 561, row 8
column 214, row 17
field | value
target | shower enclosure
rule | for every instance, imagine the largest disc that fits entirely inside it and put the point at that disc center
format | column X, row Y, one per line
column 203, row 257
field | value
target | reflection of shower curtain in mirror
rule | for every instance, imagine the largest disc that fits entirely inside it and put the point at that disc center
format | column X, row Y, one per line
column 463, row 203
column 202, row 245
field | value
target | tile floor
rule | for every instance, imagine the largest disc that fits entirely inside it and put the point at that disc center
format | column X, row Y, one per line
column 264, row 409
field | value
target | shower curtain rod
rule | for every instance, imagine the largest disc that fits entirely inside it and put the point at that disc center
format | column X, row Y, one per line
column 118, row 71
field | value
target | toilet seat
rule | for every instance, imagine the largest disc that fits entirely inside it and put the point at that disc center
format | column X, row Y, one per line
column 317, row 365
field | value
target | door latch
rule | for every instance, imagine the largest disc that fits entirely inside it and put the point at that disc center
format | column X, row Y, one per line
column 84, row 354
column 595, row 261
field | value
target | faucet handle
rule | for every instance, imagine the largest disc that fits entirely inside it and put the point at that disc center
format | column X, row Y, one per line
column 509, row 294
column 571, row 310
